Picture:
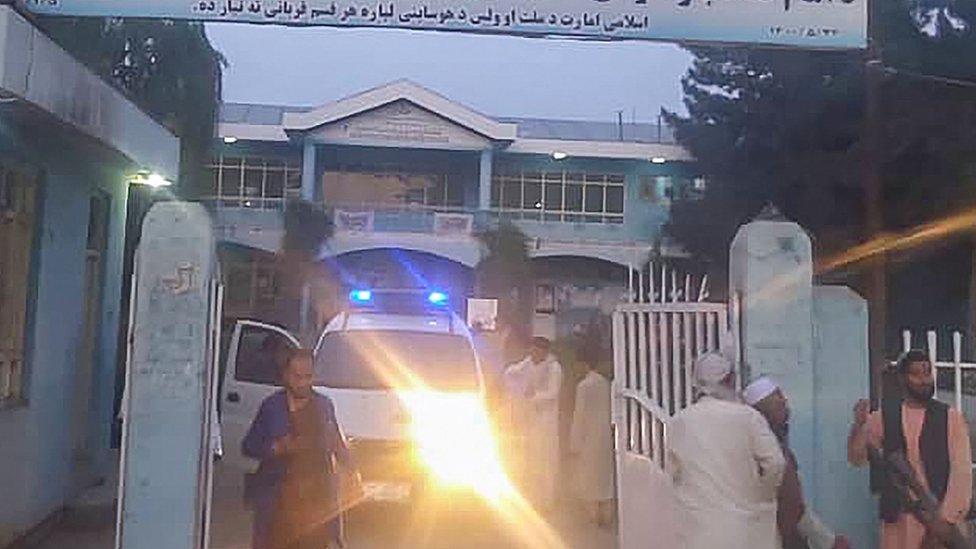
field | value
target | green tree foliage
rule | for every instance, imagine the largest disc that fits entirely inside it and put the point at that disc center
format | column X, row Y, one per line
column 788, row 127
column 307, row 228
column 174, row 74
column 505, row 273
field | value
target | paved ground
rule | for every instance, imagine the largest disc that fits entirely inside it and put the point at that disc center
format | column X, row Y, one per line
column 372, row 527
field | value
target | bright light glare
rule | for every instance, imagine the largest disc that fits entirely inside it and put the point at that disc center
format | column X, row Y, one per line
column 361, row 296
column 437, row 298
column 455, row 441
column 230, row 139
column 659, row 160
column 153, row 180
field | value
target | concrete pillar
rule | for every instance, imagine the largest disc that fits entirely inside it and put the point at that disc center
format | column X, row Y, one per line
column 309, row 182
column 813, row 341
column 484, row 179
column 167, row 404
column 771, row 272
column 840, row 493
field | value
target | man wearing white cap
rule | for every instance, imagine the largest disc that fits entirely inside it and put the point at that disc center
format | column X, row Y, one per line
column 726, row 465
column 799, row 527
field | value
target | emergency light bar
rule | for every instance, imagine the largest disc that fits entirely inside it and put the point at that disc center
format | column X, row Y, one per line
column 394, row 299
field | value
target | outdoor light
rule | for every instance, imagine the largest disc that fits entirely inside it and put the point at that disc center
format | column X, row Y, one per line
column 151, row 179
column 437, row 298
column 559, row 155
column 230, row 139
column 360, row 296
column 659, row 160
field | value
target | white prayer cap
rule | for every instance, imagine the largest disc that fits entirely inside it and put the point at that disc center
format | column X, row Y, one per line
column 759, row 389
column 711, row 369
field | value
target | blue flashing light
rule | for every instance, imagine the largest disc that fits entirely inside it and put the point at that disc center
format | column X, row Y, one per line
column 437, row 298
column 361, row 296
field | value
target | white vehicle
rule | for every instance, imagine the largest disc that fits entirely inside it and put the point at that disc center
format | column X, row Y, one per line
column 372, row 360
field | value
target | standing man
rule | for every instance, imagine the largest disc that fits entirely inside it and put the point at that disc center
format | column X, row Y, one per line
column 935, row 442
column 799, row 527
column 725, row 463
column 536, row 381
column 591, row 445
column 296, row 438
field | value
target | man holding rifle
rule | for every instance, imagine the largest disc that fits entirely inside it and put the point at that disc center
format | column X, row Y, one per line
column 923, row 448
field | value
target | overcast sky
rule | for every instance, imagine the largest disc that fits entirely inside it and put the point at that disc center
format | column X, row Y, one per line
column 502, row 76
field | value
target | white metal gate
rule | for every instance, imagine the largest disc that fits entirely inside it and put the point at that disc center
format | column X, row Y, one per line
column 655, row 345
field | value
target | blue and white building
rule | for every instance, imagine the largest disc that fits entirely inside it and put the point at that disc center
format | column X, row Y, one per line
column 407, row 171
column 70, row 145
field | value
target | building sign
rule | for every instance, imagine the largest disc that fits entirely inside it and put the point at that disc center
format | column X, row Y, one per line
column 400, row 123
column 828, row 24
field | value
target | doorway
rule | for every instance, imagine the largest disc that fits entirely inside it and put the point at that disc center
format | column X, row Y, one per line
column 88, row 349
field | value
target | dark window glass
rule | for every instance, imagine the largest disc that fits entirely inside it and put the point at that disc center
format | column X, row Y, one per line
column 615, row 200
column 574, row 198
column 260, row 355
column 594, row 198
column 379, row 359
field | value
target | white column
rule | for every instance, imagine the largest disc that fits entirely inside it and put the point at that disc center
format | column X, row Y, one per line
column 484, row 180
column 308, row 172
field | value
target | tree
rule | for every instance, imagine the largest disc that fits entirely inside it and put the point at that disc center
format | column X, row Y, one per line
column 168, row 68
column 505, row 273
column 789, row 127
column 299, row 266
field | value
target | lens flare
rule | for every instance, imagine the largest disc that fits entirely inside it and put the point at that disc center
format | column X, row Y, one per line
column 455, row 441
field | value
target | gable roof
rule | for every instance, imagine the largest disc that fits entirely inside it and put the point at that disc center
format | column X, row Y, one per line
column 304, row 120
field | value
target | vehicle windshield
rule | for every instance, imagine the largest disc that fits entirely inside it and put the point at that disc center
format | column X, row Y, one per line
column 383, row 359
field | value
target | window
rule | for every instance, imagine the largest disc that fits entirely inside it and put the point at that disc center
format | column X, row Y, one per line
column 358, row 187
column 559, row 196
column 260, row 355
column 380, row 359
column 253, row 182
column 251, row 287
column 17, row 218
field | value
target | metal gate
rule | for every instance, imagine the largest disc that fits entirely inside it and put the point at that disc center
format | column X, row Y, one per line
column 655, row 345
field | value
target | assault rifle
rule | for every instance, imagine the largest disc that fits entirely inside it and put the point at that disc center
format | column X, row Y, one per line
column 917, row 499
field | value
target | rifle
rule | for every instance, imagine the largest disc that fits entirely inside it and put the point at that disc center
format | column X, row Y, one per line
column 916, row 497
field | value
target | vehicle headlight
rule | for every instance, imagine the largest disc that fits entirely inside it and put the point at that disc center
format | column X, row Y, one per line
column 455, row 441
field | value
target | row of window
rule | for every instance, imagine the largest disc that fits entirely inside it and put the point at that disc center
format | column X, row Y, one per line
column 560, row 196
column 569, row 196
column 253, row 182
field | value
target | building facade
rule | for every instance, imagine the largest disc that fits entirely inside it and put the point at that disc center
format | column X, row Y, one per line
column 410, row 178
column 69, row 144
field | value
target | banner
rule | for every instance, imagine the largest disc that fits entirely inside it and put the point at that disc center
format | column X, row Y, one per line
column 817, row 24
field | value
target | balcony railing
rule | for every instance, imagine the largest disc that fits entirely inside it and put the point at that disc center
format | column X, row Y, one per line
column 447, row 221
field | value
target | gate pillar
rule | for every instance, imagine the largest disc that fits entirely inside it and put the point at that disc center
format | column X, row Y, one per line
column 167, row 408
column 813, row 341
column 771, row 276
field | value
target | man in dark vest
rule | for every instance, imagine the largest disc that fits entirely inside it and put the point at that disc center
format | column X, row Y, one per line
column 935, row 442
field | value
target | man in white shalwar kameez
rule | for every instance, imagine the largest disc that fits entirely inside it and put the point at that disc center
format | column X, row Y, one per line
column 591, row 445
column 726, row 465
column 537, row 380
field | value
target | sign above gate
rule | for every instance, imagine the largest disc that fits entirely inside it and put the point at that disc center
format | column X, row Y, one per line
column 818, row 24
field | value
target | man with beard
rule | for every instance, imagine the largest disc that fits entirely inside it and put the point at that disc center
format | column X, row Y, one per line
column 935, row 441
column 799, row 527
column 725, row 463
column 536, row 382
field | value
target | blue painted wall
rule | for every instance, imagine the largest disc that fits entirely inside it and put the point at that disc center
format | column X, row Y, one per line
column 35, row 457
column 643, row 219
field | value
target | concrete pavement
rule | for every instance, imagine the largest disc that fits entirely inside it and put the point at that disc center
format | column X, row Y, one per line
column 90, row 525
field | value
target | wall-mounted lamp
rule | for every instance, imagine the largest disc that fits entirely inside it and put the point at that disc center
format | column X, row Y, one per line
column 151, row 179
